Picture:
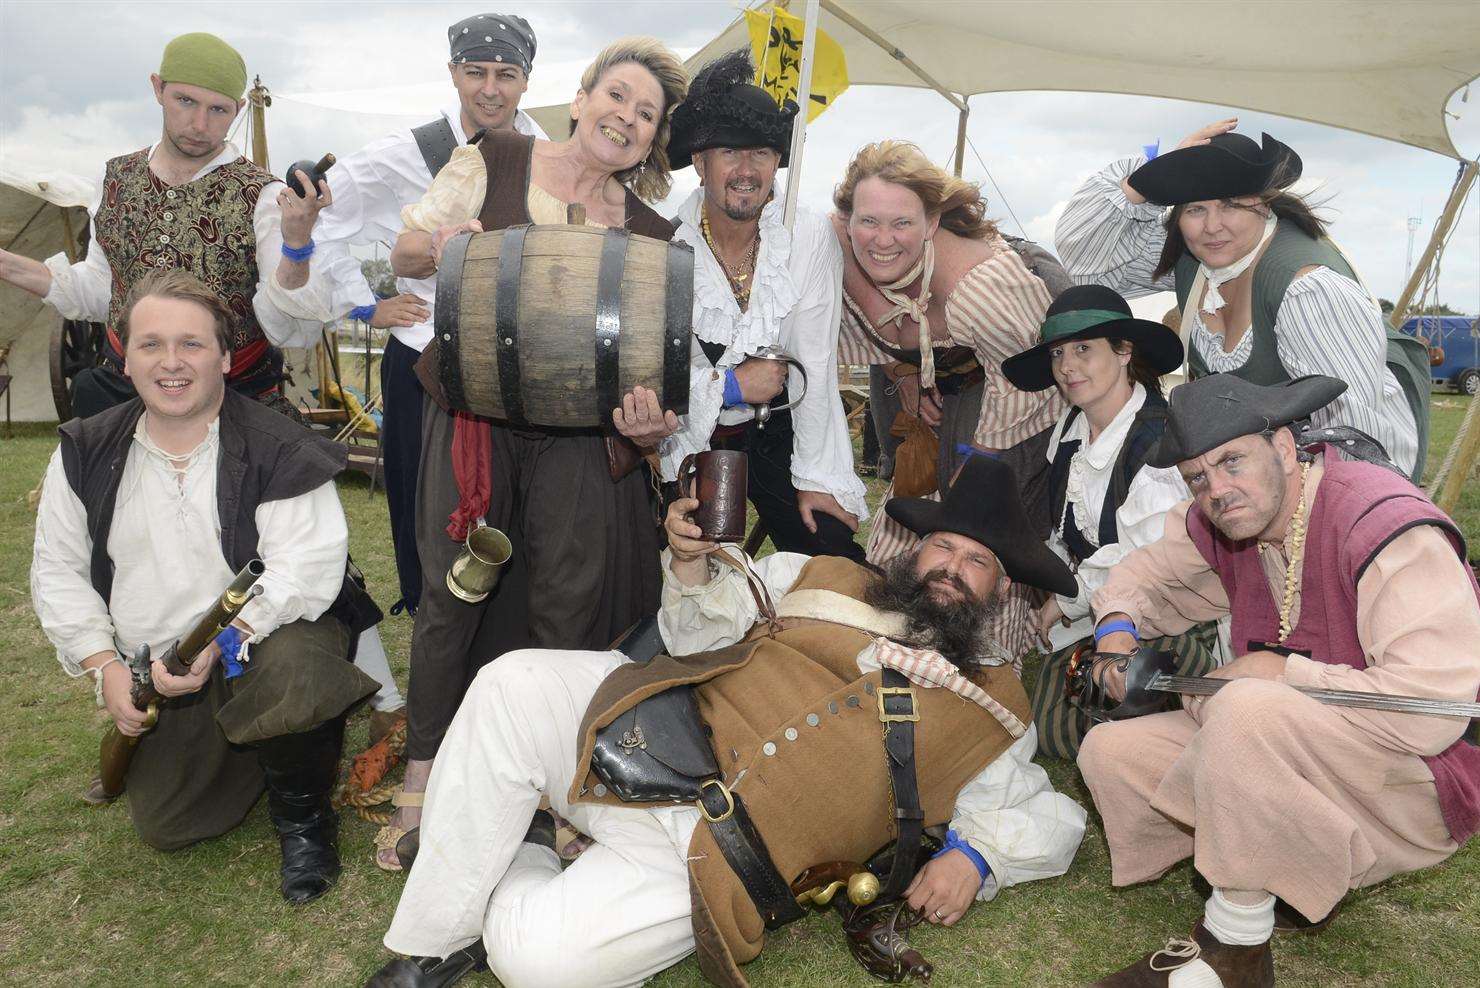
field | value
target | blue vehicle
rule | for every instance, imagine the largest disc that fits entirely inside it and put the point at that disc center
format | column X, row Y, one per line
column 1458, row 337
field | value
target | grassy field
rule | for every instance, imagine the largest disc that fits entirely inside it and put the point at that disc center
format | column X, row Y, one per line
column 83, row 902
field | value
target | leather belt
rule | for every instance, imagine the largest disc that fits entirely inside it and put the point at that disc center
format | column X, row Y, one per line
column 898, row 713
column 746, row 852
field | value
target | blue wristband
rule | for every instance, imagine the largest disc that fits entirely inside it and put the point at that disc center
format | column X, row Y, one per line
column 230, row 640
column 966, row 451
column 732, row 396
column 299, row 253
column 1113, row 626
column 955, row 842
column 362, row 313
column 1151, row 150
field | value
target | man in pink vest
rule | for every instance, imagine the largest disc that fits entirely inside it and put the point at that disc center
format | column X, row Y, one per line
column 1338, row 574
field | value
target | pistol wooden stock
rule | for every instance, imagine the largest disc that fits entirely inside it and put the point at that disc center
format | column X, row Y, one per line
column 117, row 749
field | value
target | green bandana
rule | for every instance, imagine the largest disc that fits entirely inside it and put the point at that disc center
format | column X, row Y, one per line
column 206, row 61
column 1076, row 321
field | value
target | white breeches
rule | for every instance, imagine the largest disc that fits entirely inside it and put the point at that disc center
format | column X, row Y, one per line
column 618, row 915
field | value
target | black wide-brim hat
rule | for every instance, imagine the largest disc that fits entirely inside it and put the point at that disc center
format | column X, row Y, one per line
column 1087, row 312
column 1217, row 409
column 1229, row 165
column 984, row 505
column 725, row 109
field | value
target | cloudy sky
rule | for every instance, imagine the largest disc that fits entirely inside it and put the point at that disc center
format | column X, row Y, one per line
column 75, row 79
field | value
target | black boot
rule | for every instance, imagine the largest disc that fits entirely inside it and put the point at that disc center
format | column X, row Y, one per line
column 301, row 770
column 431, row 972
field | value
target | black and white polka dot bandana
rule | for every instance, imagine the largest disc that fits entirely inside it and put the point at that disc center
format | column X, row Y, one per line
column 493, row 38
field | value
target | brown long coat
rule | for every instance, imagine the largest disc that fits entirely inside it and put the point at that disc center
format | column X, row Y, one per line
column 816, row 793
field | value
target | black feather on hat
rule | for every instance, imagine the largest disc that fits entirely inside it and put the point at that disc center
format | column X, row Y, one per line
column 726, row 109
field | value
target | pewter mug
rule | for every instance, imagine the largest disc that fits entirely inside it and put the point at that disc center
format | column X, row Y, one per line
column 476, row 570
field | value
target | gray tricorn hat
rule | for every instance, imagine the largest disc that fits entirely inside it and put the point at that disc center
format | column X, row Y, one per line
column 1213, row 410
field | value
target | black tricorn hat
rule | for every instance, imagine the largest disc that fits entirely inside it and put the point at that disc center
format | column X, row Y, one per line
column 984, row 505
column 1086, row 312
column 726, row 109
column 1228, row 165
column 1213, row 410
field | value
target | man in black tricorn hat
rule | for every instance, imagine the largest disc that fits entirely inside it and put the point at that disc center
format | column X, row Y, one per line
column 760, row 288
column 1265, row 293
column 829, row 694
column 1338, row 574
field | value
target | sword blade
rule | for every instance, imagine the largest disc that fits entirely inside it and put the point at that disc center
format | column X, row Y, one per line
column 1207, row 686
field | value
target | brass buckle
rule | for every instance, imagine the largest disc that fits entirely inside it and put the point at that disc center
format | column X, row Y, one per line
column 885, row 716
column 729, row 802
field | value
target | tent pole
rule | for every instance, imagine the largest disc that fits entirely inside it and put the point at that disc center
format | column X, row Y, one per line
column 1457, row 196
column 961, row 136
column 799, row 125
column 259, row 99
column 838, row 11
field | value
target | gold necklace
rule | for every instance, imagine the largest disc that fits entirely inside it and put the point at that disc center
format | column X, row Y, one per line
column 1294, row 551
column 738, row 286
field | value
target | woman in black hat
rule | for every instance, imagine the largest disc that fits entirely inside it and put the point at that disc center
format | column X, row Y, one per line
column 1265, row 294
column 1105, row 501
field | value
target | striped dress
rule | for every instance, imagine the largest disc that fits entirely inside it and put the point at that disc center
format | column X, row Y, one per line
column 995, row 309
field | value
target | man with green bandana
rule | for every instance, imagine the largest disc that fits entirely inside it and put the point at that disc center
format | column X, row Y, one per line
column 189, row 201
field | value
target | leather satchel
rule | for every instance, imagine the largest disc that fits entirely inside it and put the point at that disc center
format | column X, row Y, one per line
column 658, row 751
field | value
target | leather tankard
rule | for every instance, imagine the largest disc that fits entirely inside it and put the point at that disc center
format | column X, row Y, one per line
column 717, row 477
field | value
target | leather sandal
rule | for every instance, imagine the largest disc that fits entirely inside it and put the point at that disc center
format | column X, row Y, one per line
column 402, row 841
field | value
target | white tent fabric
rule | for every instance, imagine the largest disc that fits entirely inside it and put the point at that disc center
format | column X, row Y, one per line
column 33, row 208
column 1371, row 66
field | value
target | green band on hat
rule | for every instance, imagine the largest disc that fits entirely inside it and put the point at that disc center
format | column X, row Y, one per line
column 1076, row 321
column 206, row 61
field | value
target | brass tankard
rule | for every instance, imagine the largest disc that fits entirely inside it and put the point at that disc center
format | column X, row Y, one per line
column 476, row 570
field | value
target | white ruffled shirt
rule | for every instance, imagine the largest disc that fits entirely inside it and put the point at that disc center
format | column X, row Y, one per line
column 1009, row 812
column 1140, row 521
column 795, row 302
column 370, row 187
column 169, row 568
column 84, row 290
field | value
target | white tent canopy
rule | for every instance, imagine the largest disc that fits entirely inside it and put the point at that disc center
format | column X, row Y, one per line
column 1380, row 68
column 40, row 214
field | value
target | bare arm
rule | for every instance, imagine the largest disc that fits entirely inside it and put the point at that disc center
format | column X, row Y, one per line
column 25, row 272
column 412, row 255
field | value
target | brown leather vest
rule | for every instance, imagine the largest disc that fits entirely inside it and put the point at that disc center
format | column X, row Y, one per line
column 506, row 158
column 816, row 792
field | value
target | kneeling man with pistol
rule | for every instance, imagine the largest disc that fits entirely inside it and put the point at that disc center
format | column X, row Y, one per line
column 147, row 511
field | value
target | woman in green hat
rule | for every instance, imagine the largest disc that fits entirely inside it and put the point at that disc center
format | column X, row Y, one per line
column 1103, row 498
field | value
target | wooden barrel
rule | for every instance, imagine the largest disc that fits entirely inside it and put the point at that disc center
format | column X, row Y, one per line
column 552, row 325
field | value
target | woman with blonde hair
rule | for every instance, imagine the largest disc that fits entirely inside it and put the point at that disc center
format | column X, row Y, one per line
column 937, row 298
column 585, row 545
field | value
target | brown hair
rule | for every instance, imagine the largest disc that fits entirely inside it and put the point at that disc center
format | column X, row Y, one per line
column 1286, row 205
column 957, row 202
column 1139, row 369
column 650, row 178
column 178, row 284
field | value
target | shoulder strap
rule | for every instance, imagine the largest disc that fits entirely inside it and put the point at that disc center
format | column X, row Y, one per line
column 436, row 142
column 1184, row 322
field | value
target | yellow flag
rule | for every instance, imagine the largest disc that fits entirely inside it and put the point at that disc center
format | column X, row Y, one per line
column 776, row 44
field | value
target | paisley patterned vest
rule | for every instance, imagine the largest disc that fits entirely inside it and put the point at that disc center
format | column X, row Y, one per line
column 203, row 226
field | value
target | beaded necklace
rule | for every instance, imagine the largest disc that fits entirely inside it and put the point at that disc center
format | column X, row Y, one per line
column 1294, row 550
column 738, row 282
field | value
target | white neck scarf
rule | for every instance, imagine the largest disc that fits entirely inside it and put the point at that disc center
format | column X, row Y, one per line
column 915, row 308
column 1212, row 301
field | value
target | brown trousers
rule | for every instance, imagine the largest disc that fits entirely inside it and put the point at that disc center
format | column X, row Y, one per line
column 585, row 563
column 194, row 776
column 1273, row 791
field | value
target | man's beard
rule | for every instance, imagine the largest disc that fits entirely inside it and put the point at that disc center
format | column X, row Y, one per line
column 955, row 628
column 742, row 214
